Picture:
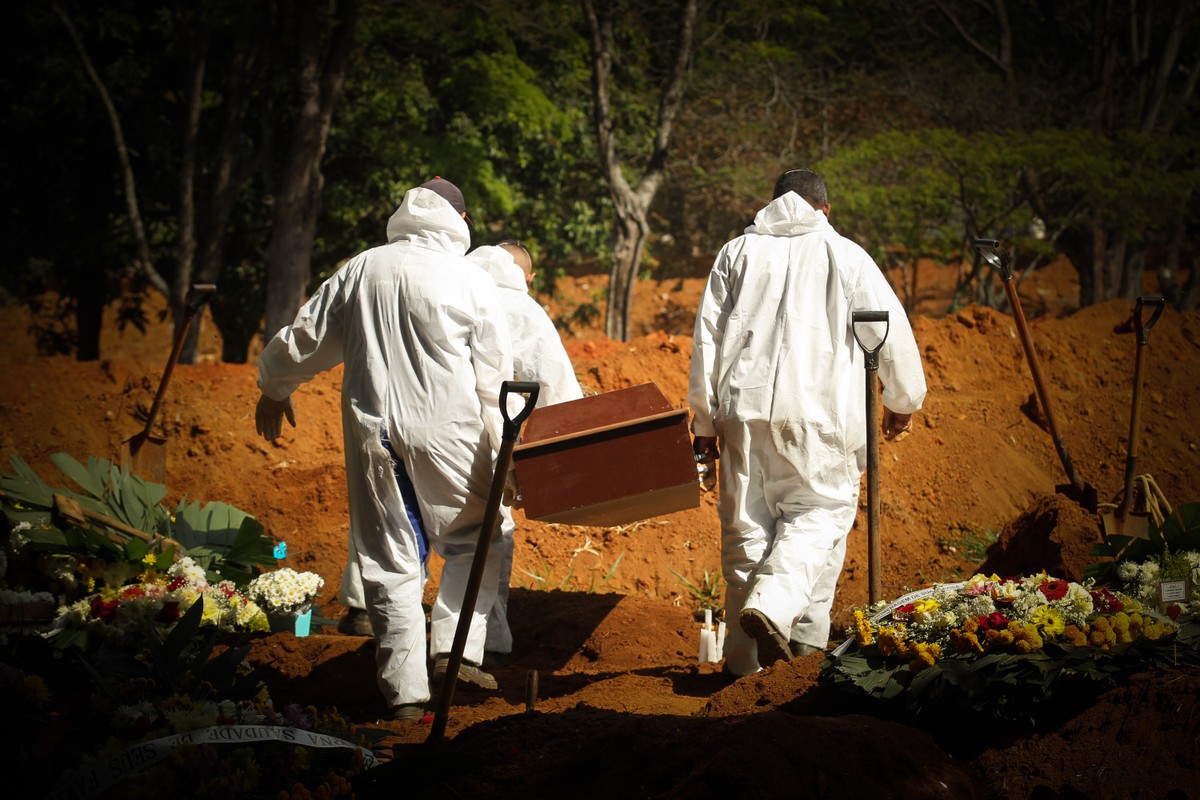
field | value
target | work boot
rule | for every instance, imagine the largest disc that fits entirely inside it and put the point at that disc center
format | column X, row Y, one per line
column 355, row 623
column 799, row 649
column 772, row 645
column 468, row 673
column 408, row 712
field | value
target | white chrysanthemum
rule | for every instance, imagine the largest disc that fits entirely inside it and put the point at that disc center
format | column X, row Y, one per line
column 190, row 571
column 285, row 590
column 127, row 716
column 1149, row 572
column 1127, row 571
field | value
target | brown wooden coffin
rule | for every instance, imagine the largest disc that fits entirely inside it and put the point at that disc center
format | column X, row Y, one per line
column 610, row 459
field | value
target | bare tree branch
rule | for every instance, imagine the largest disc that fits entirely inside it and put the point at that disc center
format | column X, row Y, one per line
column 130, row 185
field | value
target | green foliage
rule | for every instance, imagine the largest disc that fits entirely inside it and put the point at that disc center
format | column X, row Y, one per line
column 179, row 661
column 971, row 543
column 545, row 580
column 224, row 540
column 708, row 592
column 1022, row 689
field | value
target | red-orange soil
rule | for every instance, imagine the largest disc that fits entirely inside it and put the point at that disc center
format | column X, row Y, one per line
column 623, row 708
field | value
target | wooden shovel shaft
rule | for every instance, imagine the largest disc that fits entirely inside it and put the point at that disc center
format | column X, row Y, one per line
column 1135, row 425
column 1039, row 384
column 874, row 545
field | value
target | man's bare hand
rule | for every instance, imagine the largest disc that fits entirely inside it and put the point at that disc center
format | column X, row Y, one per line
column 895, row 424
column 705, row 448
column 268, row 417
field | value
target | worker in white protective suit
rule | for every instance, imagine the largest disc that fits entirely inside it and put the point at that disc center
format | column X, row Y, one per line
column 777, row 388
column 425, row 347
column 538, row 355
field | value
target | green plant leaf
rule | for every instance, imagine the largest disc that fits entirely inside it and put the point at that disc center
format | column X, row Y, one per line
column 25, row 486
column 136, row 549
column 87, row 478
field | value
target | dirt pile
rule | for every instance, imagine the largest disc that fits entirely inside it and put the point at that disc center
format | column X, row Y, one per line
column 622, row 700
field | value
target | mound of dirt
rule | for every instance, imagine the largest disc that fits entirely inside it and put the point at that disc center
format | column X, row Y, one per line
column 622, row 705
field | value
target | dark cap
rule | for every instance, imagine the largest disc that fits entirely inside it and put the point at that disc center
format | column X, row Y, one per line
column 450, row 193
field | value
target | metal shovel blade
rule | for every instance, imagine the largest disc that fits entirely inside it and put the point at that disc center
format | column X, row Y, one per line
column 144, row 453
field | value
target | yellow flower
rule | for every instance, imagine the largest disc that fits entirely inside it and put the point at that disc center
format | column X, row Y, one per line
column 1026, row 638
column 1075, row 636
column 997, row 638
column 891, row 642
column 1048, row 620
column 862, row 628
column 926, row 656
column 965, row 642
column 149, row 559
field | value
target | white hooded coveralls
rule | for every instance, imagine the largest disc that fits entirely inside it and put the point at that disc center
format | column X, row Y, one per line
column 425, row 348
column 538, row 355
column 777, row 375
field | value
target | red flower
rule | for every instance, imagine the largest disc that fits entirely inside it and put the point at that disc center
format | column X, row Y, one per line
column 168, row 613
column 130, row 592
column 1106, row 602
column 104, row 609
column 1173, row 611
column 993, row 621
column 175, row 583
column 1054, row 590
column 907, row 608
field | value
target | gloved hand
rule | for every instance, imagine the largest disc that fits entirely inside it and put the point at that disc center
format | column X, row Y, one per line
column 512, row 492
column 706, row 448
column 268, row 416
column 895, row 424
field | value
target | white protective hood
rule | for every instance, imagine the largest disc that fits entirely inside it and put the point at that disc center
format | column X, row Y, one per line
column 421, row 333
column 538, row 352
column 773, row 341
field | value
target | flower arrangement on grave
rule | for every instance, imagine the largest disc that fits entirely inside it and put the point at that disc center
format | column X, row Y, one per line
column 155, row 599
column 998, row 646
column 285, row 591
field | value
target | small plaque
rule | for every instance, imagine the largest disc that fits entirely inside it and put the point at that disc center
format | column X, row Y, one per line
column 1172, row 591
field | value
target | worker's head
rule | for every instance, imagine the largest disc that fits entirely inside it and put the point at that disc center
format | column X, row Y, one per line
column 520, row 255
column 805, row 183
column 451, row 194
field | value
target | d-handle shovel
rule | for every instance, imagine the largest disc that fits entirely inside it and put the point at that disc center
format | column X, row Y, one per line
column 144, row 454
column 874, row 547
column 1078, row 490
column 512, row 431
column 1135, row 414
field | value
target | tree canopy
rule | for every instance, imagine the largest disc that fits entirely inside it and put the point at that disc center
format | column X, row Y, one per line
column 154, row 142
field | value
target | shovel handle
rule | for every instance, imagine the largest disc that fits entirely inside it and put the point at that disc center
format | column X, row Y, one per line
column 1143, row 328
column 992, row 253
column 872, row 354
column 197, row 296
column 512, row 425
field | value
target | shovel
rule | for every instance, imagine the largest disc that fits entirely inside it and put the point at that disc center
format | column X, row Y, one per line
column 143, row 453
column 512, row 430
column 1135, row 414
column 412, row 762
column 874, row 546
column 1077, row 489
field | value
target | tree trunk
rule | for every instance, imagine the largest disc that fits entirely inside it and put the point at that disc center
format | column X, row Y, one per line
column 288, row 257
column 185, row 245
column 632, row 205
